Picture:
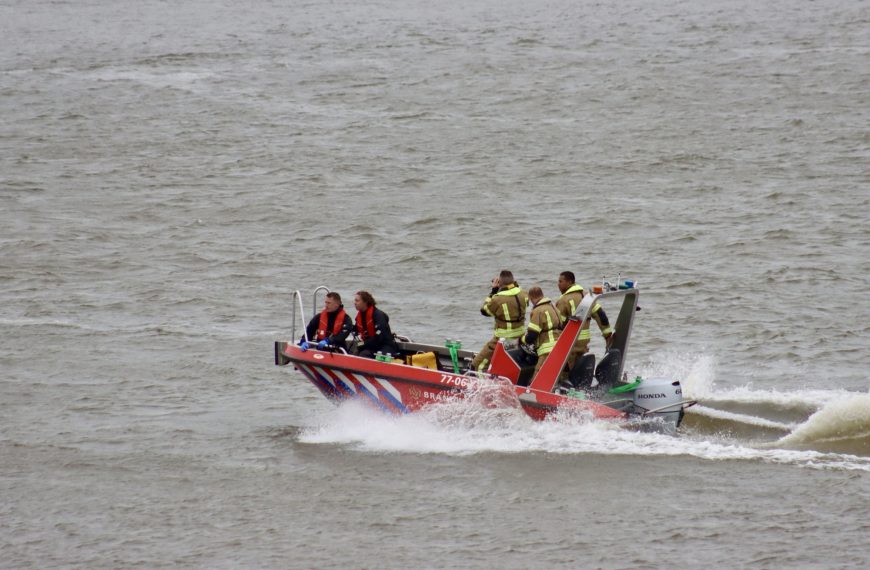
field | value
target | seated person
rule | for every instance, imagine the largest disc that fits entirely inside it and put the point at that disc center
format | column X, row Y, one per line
column 373, row 327
column 330, row 328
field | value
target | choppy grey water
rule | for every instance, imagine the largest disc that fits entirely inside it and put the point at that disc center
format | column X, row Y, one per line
column 171, row 172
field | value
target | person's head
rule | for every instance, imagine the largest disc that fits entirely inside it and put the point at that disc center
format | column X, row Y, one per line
column 332, row 302
column 535, row 294
column 566, row 281
column 505, row 278
column 363, row 300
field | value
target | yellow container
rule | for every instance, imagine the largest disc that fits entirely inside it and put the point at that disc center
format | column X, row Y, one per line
column 424, row 360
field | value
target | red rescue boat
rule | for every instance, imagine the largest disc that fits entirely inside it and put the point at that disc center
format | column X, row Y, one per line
column 426, row 374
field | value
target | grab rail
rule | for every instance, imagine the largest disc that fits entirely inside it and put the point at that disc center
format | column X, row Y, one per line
column 321, row 288
column 297, row 296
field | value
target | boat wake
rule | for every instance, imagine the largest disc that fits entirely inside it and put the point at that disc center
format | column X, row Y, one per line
column 811, row 429
column 820, row 420
column 842, row 425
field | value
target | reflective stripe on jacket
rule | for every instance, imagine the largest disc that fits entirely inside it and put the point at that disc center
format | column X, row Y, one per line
column 567, row 305
column 544, row 327
column 508, row 307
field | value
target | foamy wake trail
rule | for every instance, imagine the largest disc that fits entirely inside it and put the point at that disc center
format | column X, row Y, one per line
column 741, row 418
column 847, row 418
column 472, row 425
column 697, row 375
column 429, row 431
column 809, row 399
column 463, row 428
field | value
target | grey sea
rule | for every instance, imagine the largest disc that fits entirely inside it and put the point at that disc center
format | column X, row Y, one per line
column 171, row 172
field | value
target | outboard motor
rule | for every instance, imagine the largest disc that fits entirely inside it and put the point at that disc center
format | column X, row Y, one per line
column 662, row 397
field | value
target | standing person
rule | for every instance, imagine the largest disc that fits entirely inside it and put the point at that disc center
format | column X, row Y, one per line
column 506, row 304
column 572, row 295
column 330, row 327
column 373, row 327
column 544, row 327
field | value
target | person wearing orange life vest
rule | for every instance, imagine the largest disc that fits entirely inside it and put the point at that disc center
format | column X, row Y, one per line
column 543, row 330
column 506, row 304
column 330, row 327
column 372, row 327
column 572, row 295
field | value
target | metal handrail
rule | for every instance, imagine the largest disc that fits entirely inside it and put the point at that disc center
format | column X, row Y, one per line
column 622, row 325
column 297, row 296
column 320, row 288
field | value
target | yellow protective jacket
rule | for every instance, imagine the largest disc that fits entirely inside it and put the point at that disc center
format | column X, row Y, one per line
column 567, row 305
column 508, row 307
column 544, row 327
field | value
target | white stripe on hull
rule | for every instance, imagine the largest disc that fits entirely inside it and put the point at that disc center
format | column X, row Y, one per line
column 348, row 378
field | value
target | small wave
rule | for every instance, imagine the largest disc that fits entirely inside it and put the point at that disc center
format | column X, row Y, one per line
column 781, row 234
column 685, row 239
column 160, row 329
column 410, row 116
column 30, row 322
column 182, row 80
column 23, row 185
column 428, row 221
column 680, row 159
column 414, row 182
column 183, row 57
column 282, row 432
column 526, row 42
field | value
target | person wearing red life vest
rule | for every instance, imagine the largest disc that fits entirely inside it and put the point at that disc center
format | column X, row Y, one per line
column 372, row 327
column 330, row 328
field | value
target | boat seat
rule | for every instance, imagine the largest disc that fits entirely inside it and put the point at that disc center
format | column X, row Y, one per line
column 526, row 364
column 607, row 371
column 583, row 371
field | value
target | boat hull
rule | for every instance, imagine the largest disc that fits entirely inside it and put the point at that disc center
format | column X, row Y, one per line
column 398, row 388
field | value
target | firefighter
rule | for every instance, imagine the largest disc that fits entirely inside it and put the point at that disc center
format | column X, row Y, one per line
column 330, row 328
column 373, row 327
column 544, row 328
column 567, row 304
column 506, row 304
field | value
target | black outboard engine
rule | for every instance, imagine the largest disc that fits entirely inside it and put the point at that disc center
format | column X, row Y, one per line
column 607, row 372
